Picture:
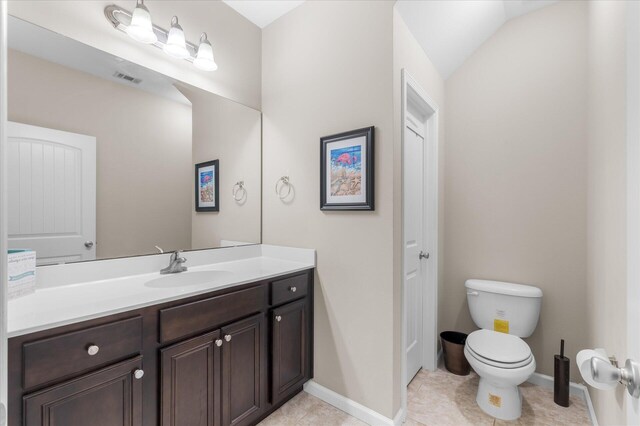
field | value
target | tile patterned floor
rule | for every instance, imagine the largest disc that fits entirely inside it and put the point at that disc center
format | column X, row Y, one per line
column 438, row 399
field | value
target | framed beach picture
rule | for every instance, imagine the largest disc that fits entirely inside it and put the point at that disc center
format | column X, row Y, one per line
column 346, row 170
column 208, row 186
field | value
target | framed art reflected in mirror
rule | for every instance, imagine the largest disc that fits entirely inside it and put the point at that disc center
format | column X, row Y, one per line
column 207, row 186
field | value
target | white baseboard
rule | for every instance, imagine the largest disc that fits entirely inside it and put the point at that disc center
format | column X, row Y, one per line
column 351, row 407
column 574, row 389
column 399, row 418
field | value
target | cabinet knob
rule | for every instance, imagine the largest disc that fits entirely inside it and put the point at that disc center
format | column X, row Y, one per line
column 293, row 289
column 93, row 349
column 278, row 318
column 218, row 342
column 138, row 374
column 227, row 337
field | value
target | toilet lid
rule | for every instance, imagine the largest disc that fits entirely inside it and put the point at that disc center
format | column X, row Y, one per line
column 499, row 347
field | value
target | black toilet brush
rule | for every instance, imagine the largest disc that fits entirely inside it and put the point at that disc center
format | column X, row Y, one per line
column 561, row 378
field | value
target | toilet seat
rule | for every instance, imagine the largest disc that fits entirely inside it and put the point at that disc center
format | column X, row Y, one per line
column 499, row 349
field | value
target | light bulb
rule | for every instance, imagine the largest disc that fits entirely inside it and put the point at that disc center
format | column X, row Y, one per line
column 176, row 45
column 204, row 58
column 141, row 28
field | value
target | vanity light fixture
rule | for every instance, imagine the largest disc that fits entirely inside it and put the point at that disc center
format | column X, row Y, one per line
column 138, row 26
column 204, row 58
column 176, row 45
column 141, row 29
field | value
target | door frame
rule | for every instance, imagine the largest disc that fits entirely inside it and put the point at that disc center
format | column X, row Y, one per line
column 415, row 97
column 633, row 197
column 3, row 212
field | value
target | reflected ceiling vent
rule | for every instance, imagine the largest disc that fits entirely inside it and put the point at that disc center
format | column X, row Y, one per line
column 126, row 77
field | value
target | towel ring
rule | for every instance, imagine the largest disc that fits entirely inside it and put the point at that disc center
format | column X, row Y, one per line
column 280, row 184
column 239, row 189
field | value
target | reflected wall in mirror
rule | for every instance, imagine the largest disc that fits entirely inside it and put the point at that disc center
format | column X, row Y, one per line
column 102, row 152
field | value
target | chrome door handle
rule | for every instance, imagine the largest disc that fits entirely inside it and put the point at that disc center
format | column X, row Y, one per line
column 278, row 318
column 138, row 374
column 88, row 244
column 423, row 255
column 629, row 375
column 227, row 337
column 218, row 342
column 293, row 289
column 93, row 350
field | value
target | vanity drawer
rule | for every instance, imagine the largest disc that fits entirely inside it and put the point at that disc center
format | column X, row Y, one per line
column 192, row 318
column 60, row 356
column 289, row 289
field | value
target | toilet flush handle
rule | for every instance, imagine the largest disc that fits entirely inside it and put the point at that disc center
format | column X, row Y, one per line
column 473, row 293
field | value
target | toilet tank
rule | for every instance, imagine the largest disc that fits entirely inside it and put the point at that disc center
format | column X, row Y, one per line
column 506, row 307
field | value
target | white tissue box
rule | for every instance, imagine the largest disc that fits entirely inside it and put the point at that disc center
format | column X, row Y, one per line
column 22, row 273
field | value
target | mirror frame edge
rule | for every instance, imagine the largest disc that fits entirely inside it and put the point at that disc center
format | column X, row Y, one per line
column 3, row 214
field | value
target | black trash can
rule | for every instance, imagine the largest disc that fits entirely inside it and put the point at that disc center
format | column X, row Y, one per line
column 453, row 352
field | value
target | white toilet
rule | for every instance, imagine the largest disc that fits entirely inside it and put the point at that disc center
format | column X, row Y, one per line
column 505, row 312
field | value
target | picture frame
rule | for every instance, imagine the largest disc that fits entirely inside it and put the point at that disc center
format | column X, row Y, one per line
column 347, row 180
column 207, row 186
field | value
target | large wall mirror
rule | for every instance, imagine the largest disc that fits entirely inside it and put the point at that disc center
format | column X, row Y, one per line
column 103, row 152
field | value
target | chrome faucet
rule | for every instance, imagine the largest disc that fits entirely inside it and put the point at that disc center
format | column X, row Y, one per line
column 175, row 264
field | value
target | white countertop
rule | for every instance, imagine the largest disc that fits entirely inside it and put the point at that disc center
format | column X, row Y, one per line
column 56, row 304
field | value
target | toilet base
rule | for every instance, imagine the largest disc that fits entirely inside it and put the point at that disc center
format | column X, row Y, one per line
column 501, row 402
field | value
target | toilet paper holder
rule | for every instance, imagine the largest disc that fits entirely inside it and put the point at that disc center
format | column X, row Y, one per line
column 609, row 373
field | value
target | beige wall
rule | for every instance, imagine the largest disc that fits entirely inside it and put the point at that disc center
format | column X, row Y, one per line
column 606, row 254
column 143, row 145
column 236, row 41
column 408, row 54
column 229, row 132
column 327, row 70
column 516, row 173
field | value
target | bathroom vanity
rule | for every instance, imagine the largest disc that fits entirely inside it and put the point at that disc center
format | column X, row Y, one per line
column 229, row 356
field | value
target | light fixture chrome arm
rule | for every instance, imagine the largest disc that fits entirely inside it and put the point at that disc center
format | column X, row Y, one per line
column 121, row 19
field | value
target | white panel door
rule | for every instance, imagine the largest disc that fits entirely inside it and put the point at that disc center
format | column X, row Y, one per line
column 52, row 193
column 413, row 174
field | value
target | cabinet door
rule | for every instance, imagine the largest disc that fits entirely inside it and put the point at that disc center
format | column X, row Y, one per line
column 190, row 382
column 242, row 368
column 289, row 348
column 109, row 397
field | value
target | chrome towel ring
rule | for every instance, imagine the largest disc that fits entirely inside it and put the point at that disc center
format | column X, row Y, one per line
column 282, row 183
column 239, row 191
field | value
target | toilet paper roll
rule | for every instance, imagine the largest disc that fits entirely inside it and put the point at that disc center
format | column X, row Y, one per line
column 583, row 359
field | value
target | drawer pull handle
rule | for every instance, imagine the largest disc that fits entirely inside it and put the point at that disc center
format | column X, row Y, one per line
column 293, row 289
column 227, row 337
column 218, row 342
column 278, row 318
column 93, row 350
column 138, row 374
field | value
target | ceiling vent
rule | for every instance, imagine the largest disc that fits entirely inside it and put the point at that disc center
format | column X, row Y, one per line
column 126, row 77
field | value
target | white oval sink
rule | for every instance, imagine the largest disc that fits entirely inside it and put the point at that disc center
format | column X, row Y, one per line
column 183, row 279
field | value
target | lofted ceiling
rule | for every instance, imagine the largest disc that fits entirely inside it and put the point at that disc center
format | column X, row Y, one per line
column 450, row 31
column 263, row 12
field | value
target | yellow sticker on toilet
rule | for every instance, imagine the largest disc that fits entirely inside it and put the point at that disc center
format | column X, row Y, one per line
column 501, row 325
column 495, row 400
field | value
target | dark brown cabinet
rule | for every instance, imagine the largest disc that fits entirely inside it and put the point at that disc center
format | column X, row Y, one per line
column 190, row 382
column 243, row 386
column 216, row 378
column 226, row 358
column 289, row 348
column 109, row 397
